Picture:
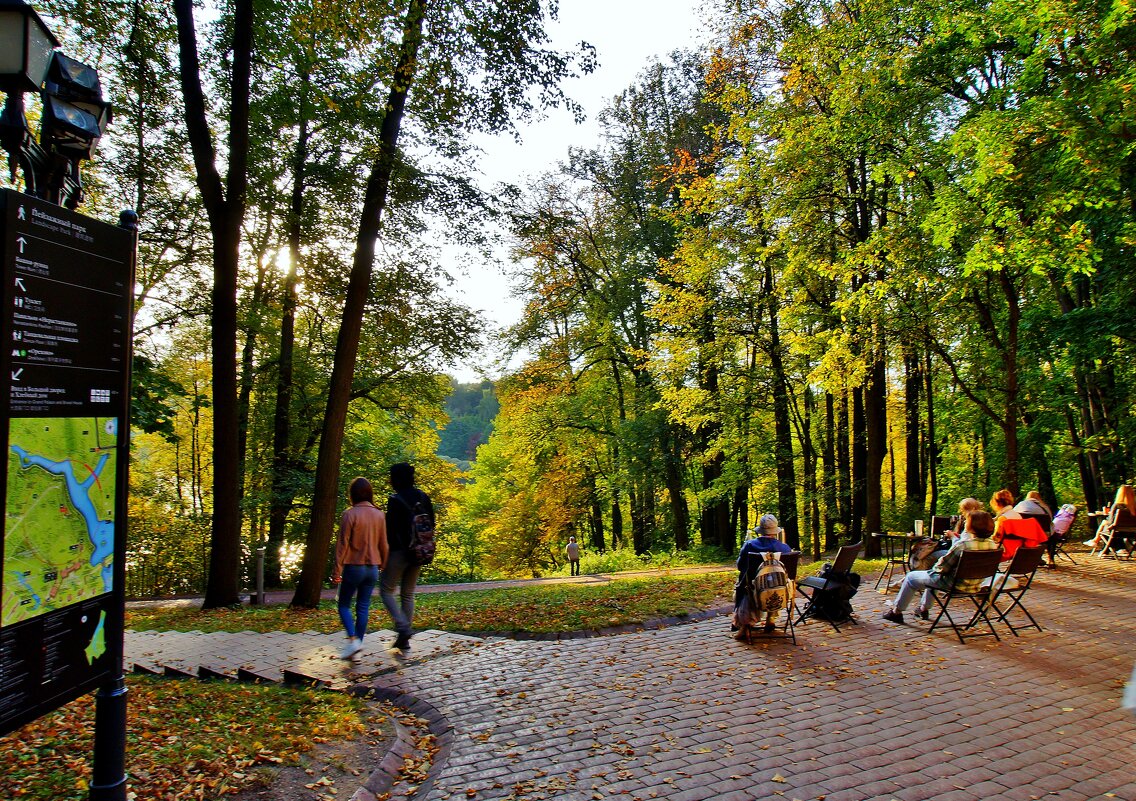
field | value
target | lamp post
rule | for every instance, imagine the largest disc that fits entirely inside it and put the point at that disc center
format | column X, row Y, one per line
column 74, row 112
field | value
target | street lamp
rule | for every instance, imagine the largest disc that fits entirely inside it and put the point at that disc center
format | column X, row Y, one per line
column 74, row 113
column 74, row 117
column 26, row 46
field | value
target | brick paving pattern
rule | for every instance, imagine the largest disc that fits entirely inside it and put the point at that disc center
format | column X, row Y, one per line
column 876, row 711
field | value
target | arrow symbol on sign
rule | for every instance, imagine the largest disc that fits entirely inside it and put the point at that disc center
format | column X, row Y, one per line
column 20, row 284
column 16, row 374
column 21, row 242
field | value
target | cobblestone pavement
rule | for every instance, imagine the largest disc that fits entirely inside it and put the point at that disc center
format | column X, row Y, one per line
column 876, row 711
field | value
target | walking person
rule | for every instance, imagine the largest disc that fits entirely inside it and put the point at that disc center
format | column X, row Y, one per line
column 360, row 552
column 400, row 575
column 573, row 551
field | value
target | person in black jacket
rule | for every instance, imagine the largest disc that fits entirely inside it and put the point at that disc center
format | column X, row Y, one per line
column 400, row 574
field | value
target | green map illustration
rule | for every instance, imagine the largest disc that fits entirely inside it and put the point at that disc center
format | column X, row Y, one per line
column 59, row 520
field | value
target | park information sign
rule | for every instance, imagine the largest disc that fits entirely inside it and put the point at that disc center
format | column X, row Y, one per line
column 65, row 339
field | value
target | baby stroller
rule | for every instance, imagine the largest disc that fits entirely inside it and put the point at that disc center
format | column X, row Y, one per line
column 765, row 588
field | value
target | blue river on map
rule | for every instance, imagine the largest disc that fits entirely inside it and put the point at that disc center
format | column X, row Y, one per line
column 20, row 577
column 101, row 532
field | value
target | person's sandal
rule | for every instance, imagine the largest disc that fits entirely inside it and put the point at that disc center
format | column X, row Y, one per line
column 925, row 614
column 893, row 616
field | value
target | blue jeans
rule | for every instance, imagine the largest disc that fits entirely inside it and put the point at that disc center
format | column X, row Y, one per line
column 358, row 583
column 919, row 580
column 401, row 576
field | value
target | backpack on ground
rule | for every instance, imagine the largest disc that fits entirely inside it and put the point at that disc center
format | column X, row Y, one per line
column 835, row 602
column 770, row 589
column 422, row 543
column 922, row 554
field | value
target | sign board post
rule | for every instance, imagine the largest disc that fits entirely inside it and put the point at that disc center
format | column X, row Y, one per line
column 65, row 350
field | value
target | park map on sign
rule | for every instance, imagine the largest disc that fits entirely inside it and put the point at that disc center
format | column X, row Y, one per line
column 59, row 521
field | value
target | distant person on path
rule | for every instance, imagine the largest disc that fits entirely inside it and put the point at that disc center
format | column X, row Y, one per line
column 769, row 540
column 401, row 573
column 360, row 552
column 573, row 551
column 942, row 575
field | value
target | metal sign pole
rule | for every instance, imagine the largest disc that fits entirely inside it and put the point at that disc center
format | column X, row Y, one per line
column 108, row 780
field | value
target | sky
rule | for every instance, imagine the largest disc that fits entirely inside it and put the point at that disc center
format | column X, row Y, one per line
column 627, row 35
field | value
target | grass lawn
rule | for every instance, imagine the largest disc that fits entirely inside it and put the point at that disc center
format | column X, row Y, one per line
column 537, row 609
column 186, row 739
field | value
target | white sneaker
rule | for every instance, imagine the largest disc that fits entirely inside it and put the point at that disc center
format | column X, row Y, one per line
column 354, row 646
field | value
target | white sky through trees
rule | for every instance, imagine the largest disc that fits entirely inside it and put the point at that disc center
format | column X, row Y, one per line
column 627, row 35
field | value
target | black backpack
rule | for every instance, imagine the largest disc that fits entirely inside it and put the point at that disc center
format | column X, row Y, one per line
column 834, row 603
column 422, row 543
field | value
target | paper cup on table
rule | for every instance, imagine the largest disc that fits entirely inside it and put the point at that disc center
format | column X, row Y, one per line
column 918, row 528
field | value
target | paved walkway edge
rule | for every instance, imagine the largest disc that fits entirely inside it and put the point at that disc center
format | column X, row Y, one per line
column 387, row 775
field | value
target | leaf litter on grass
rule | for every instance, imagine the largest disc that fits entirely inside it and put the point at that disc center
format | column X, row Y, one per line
column 185, row 739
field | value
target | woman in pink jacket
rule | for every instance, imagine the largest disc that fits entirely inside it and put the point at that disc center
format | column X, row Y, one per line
column 360, row 552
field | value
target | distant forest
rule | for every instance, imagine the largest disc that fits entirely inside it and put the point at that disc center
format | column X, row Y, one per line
column 471, row 409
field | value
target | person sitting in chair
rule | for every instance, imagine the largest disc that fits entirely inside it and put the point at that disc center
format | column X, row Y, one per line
column 1126, row 500
column 769, row 540
column 941, row 575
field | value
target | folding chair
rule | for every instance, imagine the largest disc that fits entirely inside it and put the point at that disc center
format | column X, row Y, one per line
column 1119, row 533
column 1022, row 568
column 1024, row 533
column 1056, row 542
column 789, row 561
column 841, row 566
column 973, row 567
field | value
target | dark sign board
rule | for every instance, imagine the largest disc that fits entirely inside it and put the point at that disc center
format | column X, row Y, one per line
column 65, row 339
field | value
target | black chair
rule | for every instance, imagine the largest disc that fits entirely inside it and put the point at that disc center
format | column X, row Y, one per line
column 749, row 572
column 973, row 567
column 1022, row 568
column 1046, row 523
column 813, row 586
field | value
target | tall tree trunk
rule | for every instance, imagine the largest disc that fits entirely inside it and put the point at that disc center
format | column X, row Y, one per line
column 831, row 512
column 248, row 378
column 932, row 444
column 680, row 510
column 616, row 519
column 1013, row 387
column 638, row 521
column 859, row 465
column 782, row 424
column 283, row 491
column 1088, row 482
column 596, row 518
column 812, row 500
column 358, row 290
column 914, row 485
column 225, row 208
column 875, row 418
column 844, row 468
